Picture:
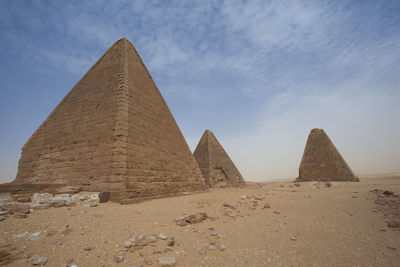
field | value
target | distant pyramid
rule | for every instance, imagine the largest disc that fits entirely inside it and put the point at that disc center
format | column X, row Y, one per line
column 113, row 132
column 322, row 161
column 217, row 168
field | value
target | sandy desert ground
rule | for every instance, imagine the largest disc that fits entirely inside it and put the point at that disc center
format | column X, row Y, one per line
column 276, row 224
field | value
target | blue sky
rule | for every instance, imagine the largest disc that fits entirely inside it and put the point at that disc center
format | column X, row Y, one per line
column 259, row 74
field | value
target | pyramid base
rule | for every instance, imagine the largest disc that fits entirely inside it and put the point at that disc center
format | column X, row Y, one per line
column 326, row 179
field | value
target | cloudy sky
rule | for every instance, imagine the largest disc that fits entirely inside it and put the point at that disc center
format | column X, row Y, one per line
column 259, row 74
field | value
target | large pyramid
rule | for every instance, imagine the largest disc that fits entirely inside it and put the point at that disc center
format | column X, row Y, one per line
column 217, row 168
column 322, row 161
column 113, row 131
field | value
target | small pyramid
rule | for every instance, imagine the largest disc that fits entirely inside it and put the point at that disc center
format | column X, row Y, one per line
column 217, row 168
column 322, row 161
column 112, row 132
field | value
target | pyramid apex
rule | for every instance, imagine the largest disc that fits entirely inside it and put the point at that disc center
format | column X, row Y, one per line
column 123, row 39
column 317, row 130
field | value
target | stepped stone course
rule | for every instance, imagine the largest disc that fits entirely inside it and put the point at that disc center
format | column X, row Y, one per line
column 322, row 161
column 112, row 132
column 216, row 166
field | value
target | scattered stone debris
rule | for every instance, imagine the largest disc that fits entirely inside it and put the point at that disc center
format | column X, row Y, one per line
column 227, row 205
column 191, row 219
column 88, row 248
column 394, row 224
column 293, row 238
column 221, row 247
column 276, row 212
column 138, row 242
column 162, row 237
column 266, row 206
column 20, row 215
column 38, row 260
column 8, row 254
column 388, row 193
column 171, row 242
column 389, row 204
column 118, row 259
column 104, row 196
column 34, row 236
column 167, row 261
column 202, row 249
column 51, row 233
column 214, row 233
column 40, row 201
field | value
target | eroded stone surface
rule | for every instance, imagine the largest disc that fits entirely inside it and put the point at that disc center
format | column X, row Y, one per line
column 118, row 135
column 322, row 161
column 216, row 166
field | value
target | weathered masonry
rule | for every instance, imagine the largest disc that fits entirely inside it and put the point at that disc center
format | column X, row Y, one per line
column 112, row 132
column 216, row 166
column 322, row 161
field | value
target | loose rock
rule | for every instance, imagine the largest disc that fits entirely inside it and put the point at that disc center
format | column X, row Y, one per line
column 167, row 261
column 162, row 237
column 266, row 206
column 387, row 193
column 104, row 196
column 20, row 215
column 41, row 198
column 39, row 261
column 191, row 219
column 171, row 242
column 118, row 259
column 8, row 254
column 221, row 247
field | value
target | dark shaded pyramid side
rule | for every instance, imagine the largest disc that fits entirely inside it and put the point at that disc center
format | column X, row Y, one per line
column 322, row 161
column 113, row 131
column 216, row 166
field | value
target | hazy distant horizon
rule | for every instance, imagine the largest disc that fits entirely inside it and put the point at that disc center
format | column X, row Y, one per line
column 259, row 74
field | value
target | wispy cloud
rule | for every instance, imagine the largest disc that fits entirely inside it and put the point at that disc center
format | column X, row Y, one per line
column 259, row 73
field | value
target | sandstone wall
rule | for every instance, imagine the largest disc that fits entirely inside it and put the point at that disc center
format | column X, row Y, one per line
column 322, row 161
column 74, row 144
column 113, row 131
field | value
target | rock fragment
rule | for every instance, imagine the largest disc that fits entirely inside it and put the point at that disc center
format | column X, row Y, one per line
column 39, row 261
column 266, row 206
column 162, row 237
column 104, row 196
column 8, row 254
column 227, row 205
column 167, row 261
column 171, row 242
column 118, row 259
column 387, row 193
column 191, row 219
column 221, row 247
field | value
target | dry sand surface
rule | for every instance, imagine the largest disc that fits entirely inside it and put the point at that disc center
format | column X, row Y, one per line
column 307, row 225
